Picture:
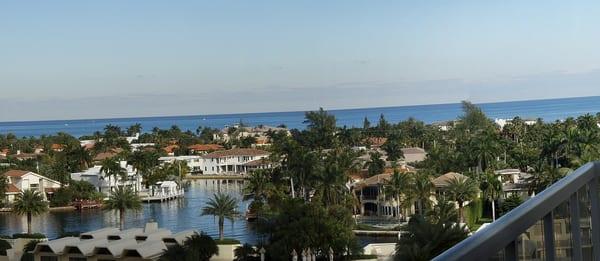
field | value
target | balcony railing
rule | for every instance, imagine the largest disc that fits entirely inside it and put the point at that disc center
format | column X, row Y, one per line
column 560, row 223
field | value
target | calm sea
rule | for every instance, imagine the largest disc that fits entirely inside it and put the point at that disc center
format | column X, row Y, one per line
column 549, row 110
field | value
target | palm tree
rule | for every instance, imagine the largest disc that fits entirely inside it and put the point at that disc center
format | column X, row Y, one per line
column 31, row 203
column 123, row 199
column 221, row 206
column 111, row 168
column 491, row 188
column 399, row 186
column 461, row 190
column 421, row 190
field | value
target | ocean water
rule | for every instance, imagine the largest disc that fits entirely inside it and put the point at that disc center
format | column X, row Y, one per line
column 549, row 110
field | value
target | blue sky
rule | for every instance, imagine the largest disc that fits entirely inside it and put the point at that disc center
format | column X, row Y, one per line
column 90, row 59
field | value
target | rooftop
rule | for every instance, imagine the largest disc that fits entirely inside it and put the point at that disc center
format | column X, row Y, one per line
column 236, row 152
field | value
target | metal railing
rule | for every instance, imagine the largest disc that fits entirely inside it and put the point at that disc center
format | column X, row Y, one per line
column 556, row 224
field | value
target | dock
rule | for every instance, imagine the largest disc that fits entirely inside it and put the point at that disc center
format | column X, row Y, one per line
column 86, row 204
column 162, row 197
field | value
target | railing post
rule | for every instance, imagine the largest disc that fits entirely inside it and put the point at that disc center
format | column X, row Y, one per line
column 510, row 251
column 549, row 248
column 575, row 227
column 593, row 185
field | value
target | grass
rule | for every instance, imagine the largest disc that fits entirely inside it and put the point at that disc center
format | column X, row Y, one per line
column 480, row 223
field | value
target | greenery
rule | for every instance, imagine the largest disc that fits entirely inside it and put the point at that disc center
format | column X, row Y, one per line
column 34, row 235
column 195, row 248
column 223, row 207
column 246, row 253
column 27, row 255
column 427, row 236
column 510, row 203
column 4, row 245
column 30, row 203
column 123, row 199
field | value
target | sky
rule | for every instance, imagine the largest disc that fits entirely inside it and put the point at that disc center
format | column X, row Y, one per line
column 112, row 58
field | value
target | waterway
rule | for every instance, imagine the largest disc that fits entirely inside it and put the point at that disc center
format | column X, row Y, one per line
column 177, row 215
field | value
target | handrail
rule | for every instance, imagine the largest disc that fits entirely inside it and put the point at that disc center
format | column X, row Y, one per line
column 490, row 240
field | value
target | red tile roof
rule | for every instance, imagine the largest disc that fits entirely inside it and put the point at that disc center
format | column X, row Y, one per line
column 170, row 148
column 10, row 188
column 205, row 147
column 236, row 152
column 16, row 173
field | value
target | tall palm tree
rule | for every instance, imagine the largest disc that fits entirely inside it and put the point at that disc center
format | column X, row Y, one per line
column 123, row 199
column 111, row 168
column 491, row 188
column 223, row 207
column 31, row 203
column 461, row 190
column 421, row 190
column 399, row 186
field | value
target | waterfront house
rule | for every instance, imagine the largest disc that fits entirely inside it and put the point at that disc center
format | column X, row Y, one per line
column 231, row 161
column 20, row 180
column 105, row 184
column 194, row 162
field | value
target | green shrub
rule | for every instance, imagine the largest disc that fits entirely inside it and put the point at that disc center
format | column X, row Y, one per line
column 62, row 197
column 4, row 245
column 473, row 212
column 25, row 235
column 227, row 241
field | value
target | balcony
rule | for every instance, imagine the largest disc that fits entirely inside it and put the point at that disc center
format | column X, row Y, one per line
column 557, row 224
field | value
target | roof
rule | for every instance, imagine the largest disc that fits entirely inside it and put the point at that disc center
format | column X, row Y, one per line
column 258, row 162
column 444, row 180
column 171, row 148
column 100, row 233
column 116, row 247
column 205, row 147
column 10, row 188
column 182, row 236
column 57, row 246
column 86, row 247
column 56, row 146
column 107, row 155
column 414, row 150
column 16, row 173
column 236, row 152
column 376, row 141
column 149, row 249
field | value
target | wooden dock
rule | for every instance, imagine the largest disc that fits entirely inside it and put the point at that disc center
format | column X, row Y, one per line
column 86, row 204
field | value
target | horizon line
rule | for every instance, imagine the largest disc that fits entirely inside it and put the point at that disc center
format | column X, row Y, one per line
column 299, row 111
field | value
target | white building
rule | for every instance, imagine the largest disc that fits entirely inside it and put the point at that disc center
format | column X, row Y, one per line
column 194, row 162
column 148, row 243
column 105, row 184
column 20, row 180
column 233, row 161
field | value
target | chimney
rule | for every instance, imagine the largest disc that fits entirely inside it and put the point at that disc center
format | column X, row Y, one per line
column 151, row 226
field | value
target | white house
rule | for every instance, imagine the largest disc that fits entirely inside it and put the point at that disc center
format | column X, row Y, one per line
column 233, row 161
column 194, row 162
column 20, row 180
column 105, row 184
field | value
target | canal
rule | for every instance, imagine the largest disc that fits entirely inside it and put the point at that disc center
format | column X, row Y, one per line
column 176, row 215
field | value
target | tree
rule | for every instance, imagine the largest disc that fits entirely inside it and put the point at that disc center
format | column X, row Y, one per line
column 375, row 165
column 321, row 127
column 399, row 185
column 3, row 186
column 111, row 168
column 426, row 237
column 510, row 203
column 123, row 199
column 30, row 203
column 491, row 188
column 200, row 248
column 461, row 190
column 421, row 189
column 393, row 148
column 4, row 245
column 223, row 207
column 134, row 129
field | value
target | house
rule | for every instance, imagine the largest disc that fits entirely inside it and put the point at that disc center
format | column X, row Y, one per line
column 194, row 162
column 231, row 161
column 107, row 155
column 170, row 150
column 106, row 184
column 260, row 132
column 20, row 180
column 202, row 149
column 57, row 147
column 413, row 155
column 135, row 244
column 514, row 181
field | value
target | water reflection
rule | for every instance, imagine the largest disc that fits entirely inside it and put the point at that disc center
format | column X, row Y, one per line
column 175, row 215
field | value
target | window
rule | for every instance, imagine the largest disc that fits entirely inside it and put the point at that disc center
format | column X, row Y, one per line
column 48, row 258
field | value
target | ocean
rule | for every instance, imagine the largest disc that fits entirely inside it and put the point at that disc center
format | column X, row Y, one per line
column 549, row 110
